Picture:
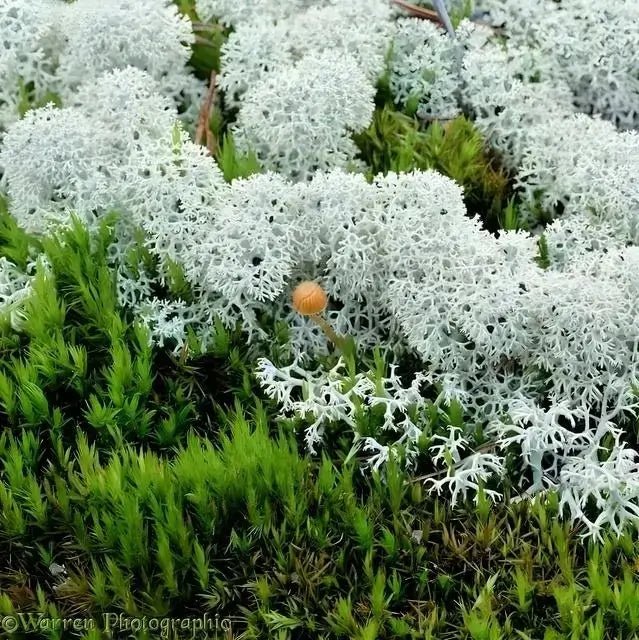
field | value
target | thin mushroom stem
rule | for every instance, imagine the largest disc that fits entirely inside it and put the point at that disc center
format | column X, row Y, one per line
column 328, row 330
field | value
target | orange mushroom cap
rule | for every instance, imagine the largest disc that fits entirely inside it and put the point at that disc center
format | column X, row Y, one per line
column 309, row 298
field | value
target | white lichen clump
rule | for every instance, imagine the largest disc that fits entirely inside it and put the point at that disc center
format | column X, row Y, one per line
column 99, row 38
column 29, row 36
column 88, row 157
column 304, row 82
column 359, row 30
column 424, row 69
column 300, row 119
column 51, row 47
column 232, row 12
column 583, row 44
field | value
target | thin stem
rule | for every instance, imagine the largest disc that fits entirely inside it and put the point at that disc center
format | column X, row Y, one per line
column 203, row 131
column 328, row 330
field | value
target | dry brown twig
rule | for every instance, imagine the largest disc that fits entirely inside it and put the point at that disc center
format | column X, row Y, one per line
column 419, row 12
column 203, row 131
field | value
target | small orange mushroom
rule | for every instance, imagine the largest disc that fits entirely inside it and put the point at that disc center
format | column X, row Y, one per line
column 310, row 299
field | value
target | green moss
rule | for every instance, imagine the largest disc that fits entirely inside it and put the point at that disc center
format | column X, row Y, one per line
column 398, row 142
column 80, row 362
column 27, row 100
column 167, row 487
column 233, row 163
column 246, row 528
